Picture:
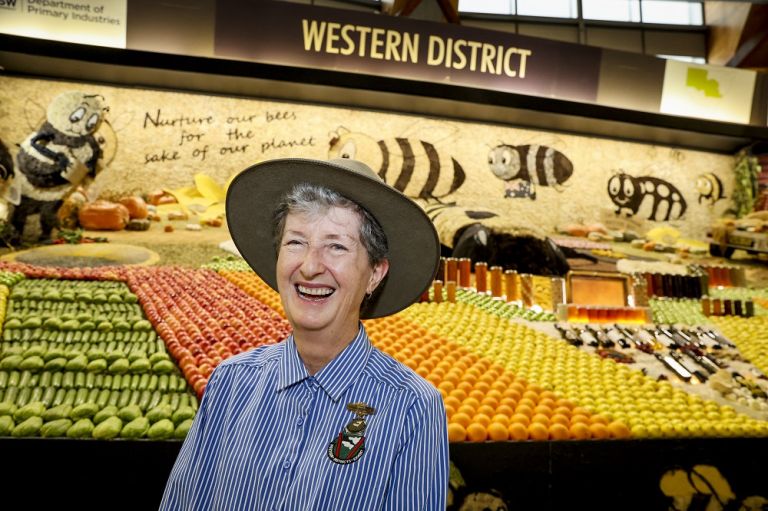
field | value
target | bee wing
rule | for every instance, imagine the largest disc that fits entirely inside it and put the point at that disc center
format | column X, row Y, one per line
column 34, row 114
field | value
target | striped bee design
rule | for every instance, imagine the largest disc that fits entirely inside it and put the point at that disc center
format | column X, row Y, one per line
column 629, row 193
column 710, row 188
column 536, row 164
column 415, row 167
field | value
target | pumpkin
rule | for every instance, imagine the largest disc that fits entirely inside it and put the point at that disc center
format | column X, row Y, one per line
column 137, row 208
column 103, row 215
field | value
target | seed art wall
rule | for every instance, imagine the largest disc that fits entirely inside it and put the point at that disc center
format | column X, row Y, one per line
column 530, row 179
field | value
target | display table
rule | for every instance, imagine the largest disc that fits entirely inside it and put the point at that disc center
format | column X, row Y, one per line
column 615, row 474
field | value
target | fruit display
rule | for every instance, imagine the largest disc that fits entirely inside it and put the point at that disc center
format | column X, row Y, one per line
column 504, row 371
column 78, row 359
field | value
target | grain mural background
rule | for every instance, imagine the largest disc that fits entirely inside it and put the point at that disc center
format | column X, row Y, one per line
column 161, row 139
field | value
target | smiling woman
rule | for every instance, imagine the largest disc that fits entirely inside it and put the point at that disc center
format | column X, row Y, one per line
column 359, row 430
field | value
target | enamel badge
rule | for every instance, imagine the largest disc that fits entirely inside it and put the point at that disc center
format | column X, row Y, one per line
column 349, row 446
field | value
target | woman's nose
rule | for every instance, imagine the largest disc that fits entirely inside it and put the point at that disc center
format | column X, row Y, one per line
column 312, row 264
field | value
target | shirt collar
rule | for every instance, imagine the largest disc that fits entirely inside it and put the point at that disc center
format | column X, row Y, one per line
column 337, row 375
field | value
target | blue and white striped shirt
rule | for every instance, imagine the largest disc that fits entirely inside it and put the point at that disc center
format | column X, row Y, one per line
column 261, row 437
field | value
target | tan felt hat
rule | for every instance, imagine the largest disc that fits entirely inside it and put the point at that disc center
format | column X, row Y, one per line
column 414, row 248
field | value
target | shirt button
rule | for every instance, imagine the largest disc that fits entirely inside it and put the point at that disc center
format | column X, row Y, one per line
column 287, row 464
column 300, row 421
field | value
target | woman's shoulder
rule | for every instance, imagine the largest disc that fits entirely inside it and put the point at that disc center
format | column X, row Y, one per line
column 256, row 357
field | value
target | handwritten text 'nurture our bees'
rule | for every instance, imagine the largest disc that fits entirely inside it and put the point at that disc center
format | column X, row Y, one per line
column 392, row 45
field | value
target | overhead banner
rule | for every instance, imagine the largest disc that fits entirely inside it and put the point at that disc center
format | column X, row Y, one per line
column 342, row 40
column 94, row 22
column 708, row 92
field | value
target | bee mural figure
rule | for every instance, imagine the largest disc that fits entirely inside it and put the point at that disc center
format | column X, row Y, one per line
column 57, row 157
column 710, row 188
column 532, row 164
column 414, row 167
column 630, row 193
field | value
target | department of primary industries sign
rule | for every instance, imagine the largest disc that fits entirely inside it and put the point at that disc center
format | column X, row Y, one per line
column 94, row 22
column 341, row 40
column 708, row 92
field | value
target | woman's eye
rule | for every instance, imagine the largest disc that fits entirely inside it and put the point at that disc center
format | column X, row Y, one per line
column 337, row 246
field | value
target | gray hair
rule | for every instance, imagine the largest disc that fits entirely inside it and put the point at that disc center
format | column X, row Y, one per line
column 312, row 199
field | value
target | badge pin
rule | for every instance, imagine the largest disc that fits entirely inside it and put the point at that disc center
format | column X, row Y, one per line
column 350, row 444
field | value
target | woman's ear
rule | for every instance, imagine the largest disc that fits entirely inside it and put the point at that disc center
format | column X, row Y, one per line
column 380, row 270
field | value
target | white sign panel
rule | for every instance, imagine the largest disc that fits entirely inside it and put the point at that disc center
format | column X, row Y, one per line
column 94, row 22
column 708, row 92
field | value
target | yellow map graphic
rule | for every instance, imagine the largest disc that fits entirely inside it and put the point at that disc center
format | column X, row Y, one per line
column 699, row 80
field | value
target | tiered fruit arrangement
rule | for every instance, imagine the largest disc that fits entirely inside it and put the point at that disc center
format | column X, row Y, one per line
column 649, row 408
column 503, row 380
column 78, row 359
column 499, row 307
column 240, row 274
column 203, row 318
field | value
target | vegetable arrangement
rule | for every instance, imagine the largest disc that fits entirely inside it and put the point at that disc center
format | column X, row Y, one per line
column 79, row 359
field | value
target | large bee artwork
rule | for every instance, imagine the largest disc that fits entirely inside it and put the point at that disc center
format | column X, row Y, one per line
column 415, row 167
column 56, row 157
column 525, row 167
column 630, row 193
column 710, row 188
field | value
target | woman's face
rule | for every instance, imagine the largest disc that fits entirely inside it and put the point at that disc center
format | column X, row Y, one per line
column 323, row 271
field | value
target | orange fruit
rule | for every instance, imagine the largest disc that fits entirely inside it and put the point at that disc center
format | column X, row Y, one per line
column 456, row 432
column 538, row 431
column 476, row 432
column 580, row 431
column 579, row 418
column 476, row 394
column 465, row 386
column 558, row 432
column 490, row 401
column 598, row 430
column 526, row 401
column 452, row 401
column 499, row 385
column 560, row 419
column 618, row 429
column 494, row 394
column 481, row 418
column 602, row 419
column 545, row 410
column 469, row 410
column 482, row 386
column 540, row 418
column 520, row 418
column 471, row 401
column 513, row 393
column 459, row 394
column 578, row 410
column 461, row 418
column 449, row 411
column 487, row 410
column 508, row 401
column 524, row 409
column 447, row 386
column 562, row 410
column 549, row 403
column 518, row 431
column 498, row 431
column 501, row 418
column 505, row 410
column 533, row 396
column 547, row 394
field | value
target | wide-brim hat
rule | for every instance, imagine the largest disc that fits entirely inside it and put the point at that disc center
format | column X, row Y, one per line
column 414, row 248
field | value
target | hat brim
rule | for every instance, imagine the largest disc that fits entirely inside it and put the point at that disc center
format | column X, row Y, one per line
column 414, row 248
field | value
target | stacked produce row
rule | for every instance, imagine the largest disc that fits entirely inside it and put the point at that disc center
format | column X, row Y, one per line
column 502, row 379
column 97, row 342
column 79, row 359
